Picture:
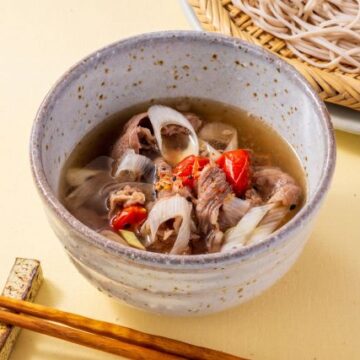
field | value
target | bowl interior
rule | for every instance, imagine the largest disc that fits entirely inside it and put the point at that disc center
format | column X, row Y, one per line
column 165, row 65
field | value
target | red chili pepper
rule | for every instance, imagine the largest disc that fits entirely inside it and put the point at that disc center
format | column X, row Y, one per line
column 129, row 218
column 189, row 169
column 236, row 165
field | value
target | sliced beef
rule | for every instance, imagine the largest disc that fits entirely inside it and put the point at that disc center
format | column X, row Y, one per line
column 288, row 195
column 173, row 130
column 125, row 197
column 212, row 190
column 254, row 197
column 137, row 135
column 194, row 120
column 274, row 185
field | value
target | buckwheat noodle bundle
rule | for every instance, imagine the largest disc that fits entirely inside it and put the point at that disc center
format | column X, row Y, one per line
column 328, row 30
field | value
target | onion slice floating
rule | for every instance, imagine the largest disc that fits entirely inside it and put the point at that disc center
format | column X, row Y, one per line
column 85, row 191
column 77, row 176
column 268, row 225
column 220, row 136
column 161, row 116
column 135, row 167
column 233, row 210
column 164, row 210
column 239, row 234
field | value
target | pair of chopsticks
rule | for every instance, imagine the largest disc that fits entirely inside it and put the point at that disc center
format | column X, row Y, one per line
column 100, row 335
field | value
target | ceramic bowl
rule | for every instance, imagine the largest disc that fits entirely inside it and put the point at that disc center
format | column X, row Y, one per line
column 174, row 64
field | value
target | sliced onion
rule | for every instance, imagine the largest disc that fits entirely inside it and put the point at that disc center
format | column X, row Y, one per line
column 161, row 116
column 207, row 150
column 88, row 190
column 134, row 167
column 164, row 210
column 233, row 210
column 268, row 225
column 240, row 233
column 219, row 135
column 76, row 176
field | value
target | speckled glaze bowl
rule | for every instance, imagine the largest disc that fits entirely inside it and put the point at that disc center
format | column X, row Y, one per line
column 173, row 64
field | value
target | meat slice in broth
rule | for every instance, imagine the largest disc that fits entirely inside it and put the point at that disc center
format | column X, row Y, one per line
column 128, row 196
column 172, row 130
column 253, row 197
column 137, row 135
column 212, row 190
column 194, row 120
column 274, row 185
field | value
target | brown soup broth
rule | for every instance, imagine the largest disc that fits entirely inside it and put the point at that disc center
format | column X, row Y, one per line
column 253, row 134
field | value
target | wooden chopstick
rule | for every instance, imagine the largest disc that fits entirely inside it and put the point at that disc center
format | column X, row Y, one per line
column 103, row 343
column 102, row 335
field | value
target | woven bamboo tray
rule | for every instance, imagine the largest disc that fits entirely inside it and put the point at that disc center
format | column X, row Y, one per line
column 221, row 16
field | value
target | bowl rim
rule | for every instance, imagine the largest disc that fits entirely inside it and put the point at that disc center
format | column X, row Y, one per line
column 167, row 260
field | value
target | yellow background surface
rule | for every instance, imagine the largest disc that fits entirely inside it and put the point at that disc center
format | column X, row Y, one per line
column 312, row 313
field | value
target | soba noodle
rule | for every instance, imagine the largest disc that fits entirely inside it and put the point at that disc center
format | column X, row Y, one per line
column 328, row 30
